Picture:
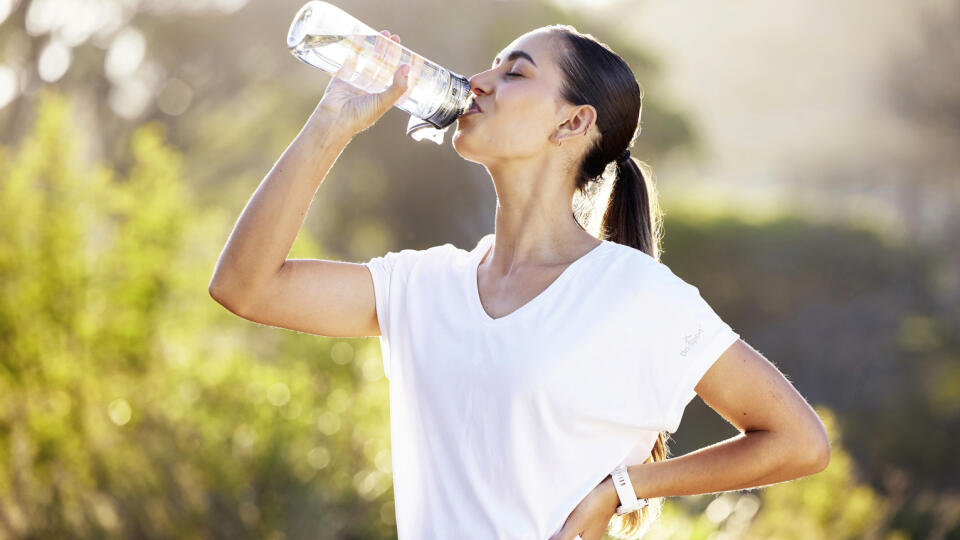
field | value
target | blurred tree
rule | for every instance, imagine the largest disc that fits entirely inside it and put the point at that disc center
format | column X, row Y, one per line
column 855, row 321
column 131, row 404
column 830, row 505
column 922, row 87
column 907, row 175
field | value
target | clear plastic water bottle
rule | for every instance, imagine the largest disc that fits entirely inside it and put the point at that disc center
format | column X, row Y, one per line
column 324, row 36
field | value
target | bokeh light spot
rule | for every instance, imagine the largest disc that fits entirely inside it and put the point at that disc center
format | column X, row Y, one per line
column 175, row 97
column 9, row 85
column 54, row 61
column 342, row 352
column 125, row 54
column 278, row 394
column 119, row 411
column 318, row 457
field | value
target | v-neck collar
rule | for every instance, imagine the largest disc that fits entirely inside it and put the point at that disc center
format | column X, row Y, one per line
column 486, row 246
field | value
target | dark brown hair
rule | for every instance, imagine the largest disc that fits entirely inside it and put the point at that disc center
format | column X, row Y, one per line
column 595, row 75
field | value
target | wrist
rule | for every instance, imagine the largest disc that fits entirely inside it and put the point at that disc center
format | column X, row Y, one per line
column 608, row 493
column 623, row 482
column 327, row 128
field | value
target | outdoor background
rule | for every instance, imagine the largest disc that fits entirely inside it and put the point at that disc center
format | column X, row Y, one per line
column 807, row 154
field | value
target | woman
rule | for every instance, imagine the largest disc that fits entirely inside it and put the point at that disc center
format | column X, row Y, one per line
column 524, row 371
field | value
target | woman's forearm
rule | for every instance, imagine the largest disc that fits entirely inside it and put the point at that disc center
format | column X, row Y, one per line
column 752, row 459
column 266, row 229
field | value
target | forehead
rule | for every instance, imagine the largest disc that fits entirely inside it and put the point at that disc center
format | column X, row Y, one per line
column 537, row 45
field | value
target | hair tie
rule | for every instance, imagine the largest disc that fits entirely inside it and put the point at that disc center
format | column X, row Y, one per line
column 624, row 156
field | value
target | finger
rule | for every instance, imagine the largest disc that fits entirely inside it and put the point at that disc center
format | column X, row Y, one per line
column 401, row 80
column 349, row 63
column 389, row 97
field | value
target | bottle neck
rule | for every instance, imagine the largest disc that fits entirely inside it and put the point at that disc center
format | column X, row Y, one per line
column 454, row 104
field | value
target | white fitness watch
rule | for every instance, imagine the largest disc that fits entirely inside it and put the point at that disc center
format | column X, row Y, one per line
column 628, row 498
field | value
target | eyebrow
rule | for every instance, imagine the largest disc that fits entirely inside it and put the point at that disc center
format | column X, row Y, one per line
column 516, row 54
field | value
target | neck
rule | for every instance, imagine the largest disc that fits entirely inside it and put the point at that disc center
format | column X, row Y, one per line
column 535, row 225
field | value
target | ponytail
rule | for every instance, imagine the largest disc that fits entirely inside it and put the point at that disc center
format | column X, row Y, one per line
column 594, row 75
column 633, row 218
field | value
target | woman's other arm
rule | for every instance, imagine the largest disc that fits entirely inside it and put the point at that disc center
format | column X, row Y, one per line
column 781, row 438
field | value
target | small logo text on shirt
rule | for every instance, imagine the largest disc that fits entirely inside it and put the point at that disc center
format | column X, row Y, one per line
column 691, row 339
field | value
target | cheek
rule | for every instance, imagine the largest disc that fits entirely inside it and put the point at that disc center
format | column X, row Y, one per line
column 503, row 135
column 524, row 119
column 526, row 100
column 521, row 124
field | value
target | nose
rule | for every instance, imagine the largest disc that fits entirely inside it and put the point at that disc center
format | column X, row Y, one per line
column 478, row 84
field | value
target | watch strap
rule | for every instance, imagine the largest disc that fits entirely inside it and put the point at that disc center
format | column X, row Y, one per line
column 628, row 497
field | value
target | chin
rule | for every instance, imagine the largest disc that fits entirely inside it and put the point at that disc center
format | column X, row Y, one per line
column 472, row 145
column 457, row 142
column 463, row 150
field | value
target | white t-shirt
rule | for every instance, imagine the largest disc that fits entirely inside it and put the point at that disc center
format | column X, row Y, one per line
column 500, row 427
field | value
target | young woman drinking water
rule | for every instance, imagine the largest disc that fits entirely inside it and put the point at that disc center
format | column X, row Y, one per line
column 526, row 372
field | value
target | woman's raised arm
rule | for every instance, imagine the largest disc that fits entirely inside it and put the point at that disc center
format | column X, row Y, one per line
column 253, row 277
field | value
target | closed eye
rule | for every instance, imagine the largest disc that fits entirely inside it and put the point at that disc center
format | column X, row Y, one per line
column 513, row 74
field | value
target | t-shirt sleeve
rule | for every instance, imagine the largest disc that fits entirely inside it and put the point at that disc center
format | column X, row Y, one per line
column 685, row 337
column 391, row 275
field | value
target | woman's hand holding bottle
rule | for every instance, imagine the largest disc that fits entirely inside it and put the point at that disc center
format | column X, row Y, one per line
column 347, row 108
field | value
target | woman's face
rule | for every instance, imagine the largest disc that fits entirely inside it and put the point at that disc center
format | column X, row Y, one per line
column 519, row 101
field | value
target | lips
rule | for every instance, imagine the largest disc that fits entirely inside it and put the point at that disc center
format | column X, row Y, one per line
column 473, row 109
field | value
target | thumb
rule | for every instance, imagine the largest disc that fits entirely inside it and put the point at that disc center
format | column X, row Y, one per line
column 399, row 85
column 347, row 68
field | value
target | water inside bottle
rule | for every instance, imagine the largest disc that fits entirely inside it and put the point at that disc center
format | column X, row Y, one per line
column 377, row 58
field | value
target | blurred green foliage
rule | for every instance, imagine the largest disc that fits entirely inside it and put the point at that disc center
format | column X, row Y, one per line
column 133, row 405
column 831, row 505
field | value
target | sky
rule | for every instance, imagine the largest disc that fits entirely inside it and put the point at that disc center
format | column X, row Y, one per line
column 775, row 90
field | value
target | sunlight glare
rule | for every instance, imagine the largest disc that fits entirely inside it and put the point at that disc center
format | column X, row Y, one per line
column 9, row 85
column 130, row 98
column 6, row 7
column 125, row 55
column 54, row 61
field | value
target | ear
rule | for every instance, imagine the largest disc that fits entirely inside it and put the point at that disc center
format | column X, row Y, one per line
column 577, row 122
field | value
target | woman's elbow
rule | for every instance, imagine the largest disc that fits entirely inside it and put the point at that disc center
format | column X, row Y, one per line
column 817, row 447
